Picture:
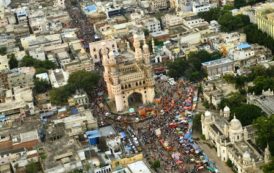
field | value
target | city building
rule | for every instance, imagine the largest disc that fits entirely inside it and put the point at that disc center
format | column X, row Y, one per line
column 214, row 91
column 233, row 141
column 78, row 123
column 265, row 18
column 156, row 5
column 129, row 79
column 172, row 20
column 152, row 24
column 265, row 101
column 22, row 76
column 196, row 8
column 18, row 102
column 26, row 140
column 58, row 77
column 4, row 80
column 79, row 98
column 218, row 67
column 38, row 41
column 4, row 63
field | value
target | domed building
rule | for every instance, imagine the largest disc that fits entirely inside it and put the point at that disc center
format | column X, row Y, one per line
column 226, row 112
column 233, row 141
column 206, row 120
column 235, row 130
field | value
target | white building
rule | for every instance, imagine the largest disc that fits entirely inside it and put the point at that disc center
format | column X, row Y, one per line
column 79, row 123
column 37, row 53
column 80, row 98
column 58, row 77
column 152, row 24
column 61, row 4
column 157, row 4
column 4, row 63
column 5, row 3
column 196, row 8
column 233, row 141
column 172, row 20
column 192, row 21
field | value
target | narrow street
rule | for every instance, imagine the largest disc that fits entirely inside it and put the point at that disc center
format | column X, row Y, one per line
column 212, row 154
column 80, row 20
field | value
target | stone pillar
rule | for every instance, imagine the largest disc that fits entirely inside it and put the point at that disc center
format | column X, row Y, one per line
column 119, row 102
column 150, row 94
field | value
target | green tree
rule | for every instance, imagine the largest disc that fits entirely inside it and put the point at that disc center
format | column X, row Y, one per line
column 59, row 96
column 32, row 167
column 197, row 123
column 156, row 164
column 13, row 63
column 3, row 50
column 87, row 81
column 247, row 113
column 269, row 168
column 192, row 67
column 265, row 132
column 41, row 86
column 232, row 100
column 177, row 68
column 84, row 80
column 229, row 163
column 27, row 61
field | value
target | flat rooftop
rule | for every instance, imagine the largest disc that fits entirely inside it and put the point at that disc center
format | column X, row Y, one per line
column 138, row 167
column 217, row 62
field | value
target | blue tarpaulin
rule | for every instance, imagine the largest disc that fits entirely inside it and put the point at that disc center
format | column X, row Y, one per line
column 74, row 111
column 123, row 134
column 93, row 136
column 244, row 46
column 188, row 135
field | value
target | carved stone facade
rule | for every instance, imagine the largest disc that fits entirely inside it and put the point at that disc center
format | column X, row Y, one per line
column 125, row 77
column 233, row 141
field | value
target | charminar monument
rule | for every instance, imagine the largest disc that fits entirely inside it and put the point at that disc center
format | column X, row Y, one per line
column 128, row 76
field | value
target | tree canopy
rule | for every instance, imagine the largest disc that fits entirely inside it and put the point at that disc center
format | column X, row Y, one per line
column 84, row 80
column 246, row 113
column 191, row 68
column 3, row 50
column 242, row 23
column 29, row 61
column 241, row 3
column 265, row 132
column 41, row 86
column 32, row 167
column 13, row 63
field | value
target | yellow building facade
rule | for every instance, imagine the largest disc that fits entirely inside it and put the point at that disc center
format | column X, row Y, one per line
column 265, row 20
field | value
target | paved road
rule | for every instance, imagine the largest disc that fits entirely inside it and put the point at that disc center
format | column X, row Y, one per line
column 212, row 154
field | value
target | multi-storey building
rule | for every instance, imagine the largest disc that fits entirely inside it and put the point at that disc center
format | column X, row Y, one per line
column 129, row 80
column 22, row 77
column 152, row 24
column 158, row 5
column 265, row 19
column 233, row 141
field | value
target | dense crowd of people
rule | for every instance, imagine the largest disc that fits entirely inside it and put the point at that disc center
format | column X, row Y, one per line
column 173, row 146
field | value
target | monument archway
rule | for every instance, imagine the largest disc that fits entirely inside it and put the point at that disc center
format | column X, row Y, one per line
column 135, row 99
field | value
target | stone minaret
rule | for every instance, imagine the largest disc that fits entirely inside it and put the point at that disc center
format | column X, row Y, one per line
column 137, row 47
column 267, row 154
column 107, row 70
column 146, row 54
